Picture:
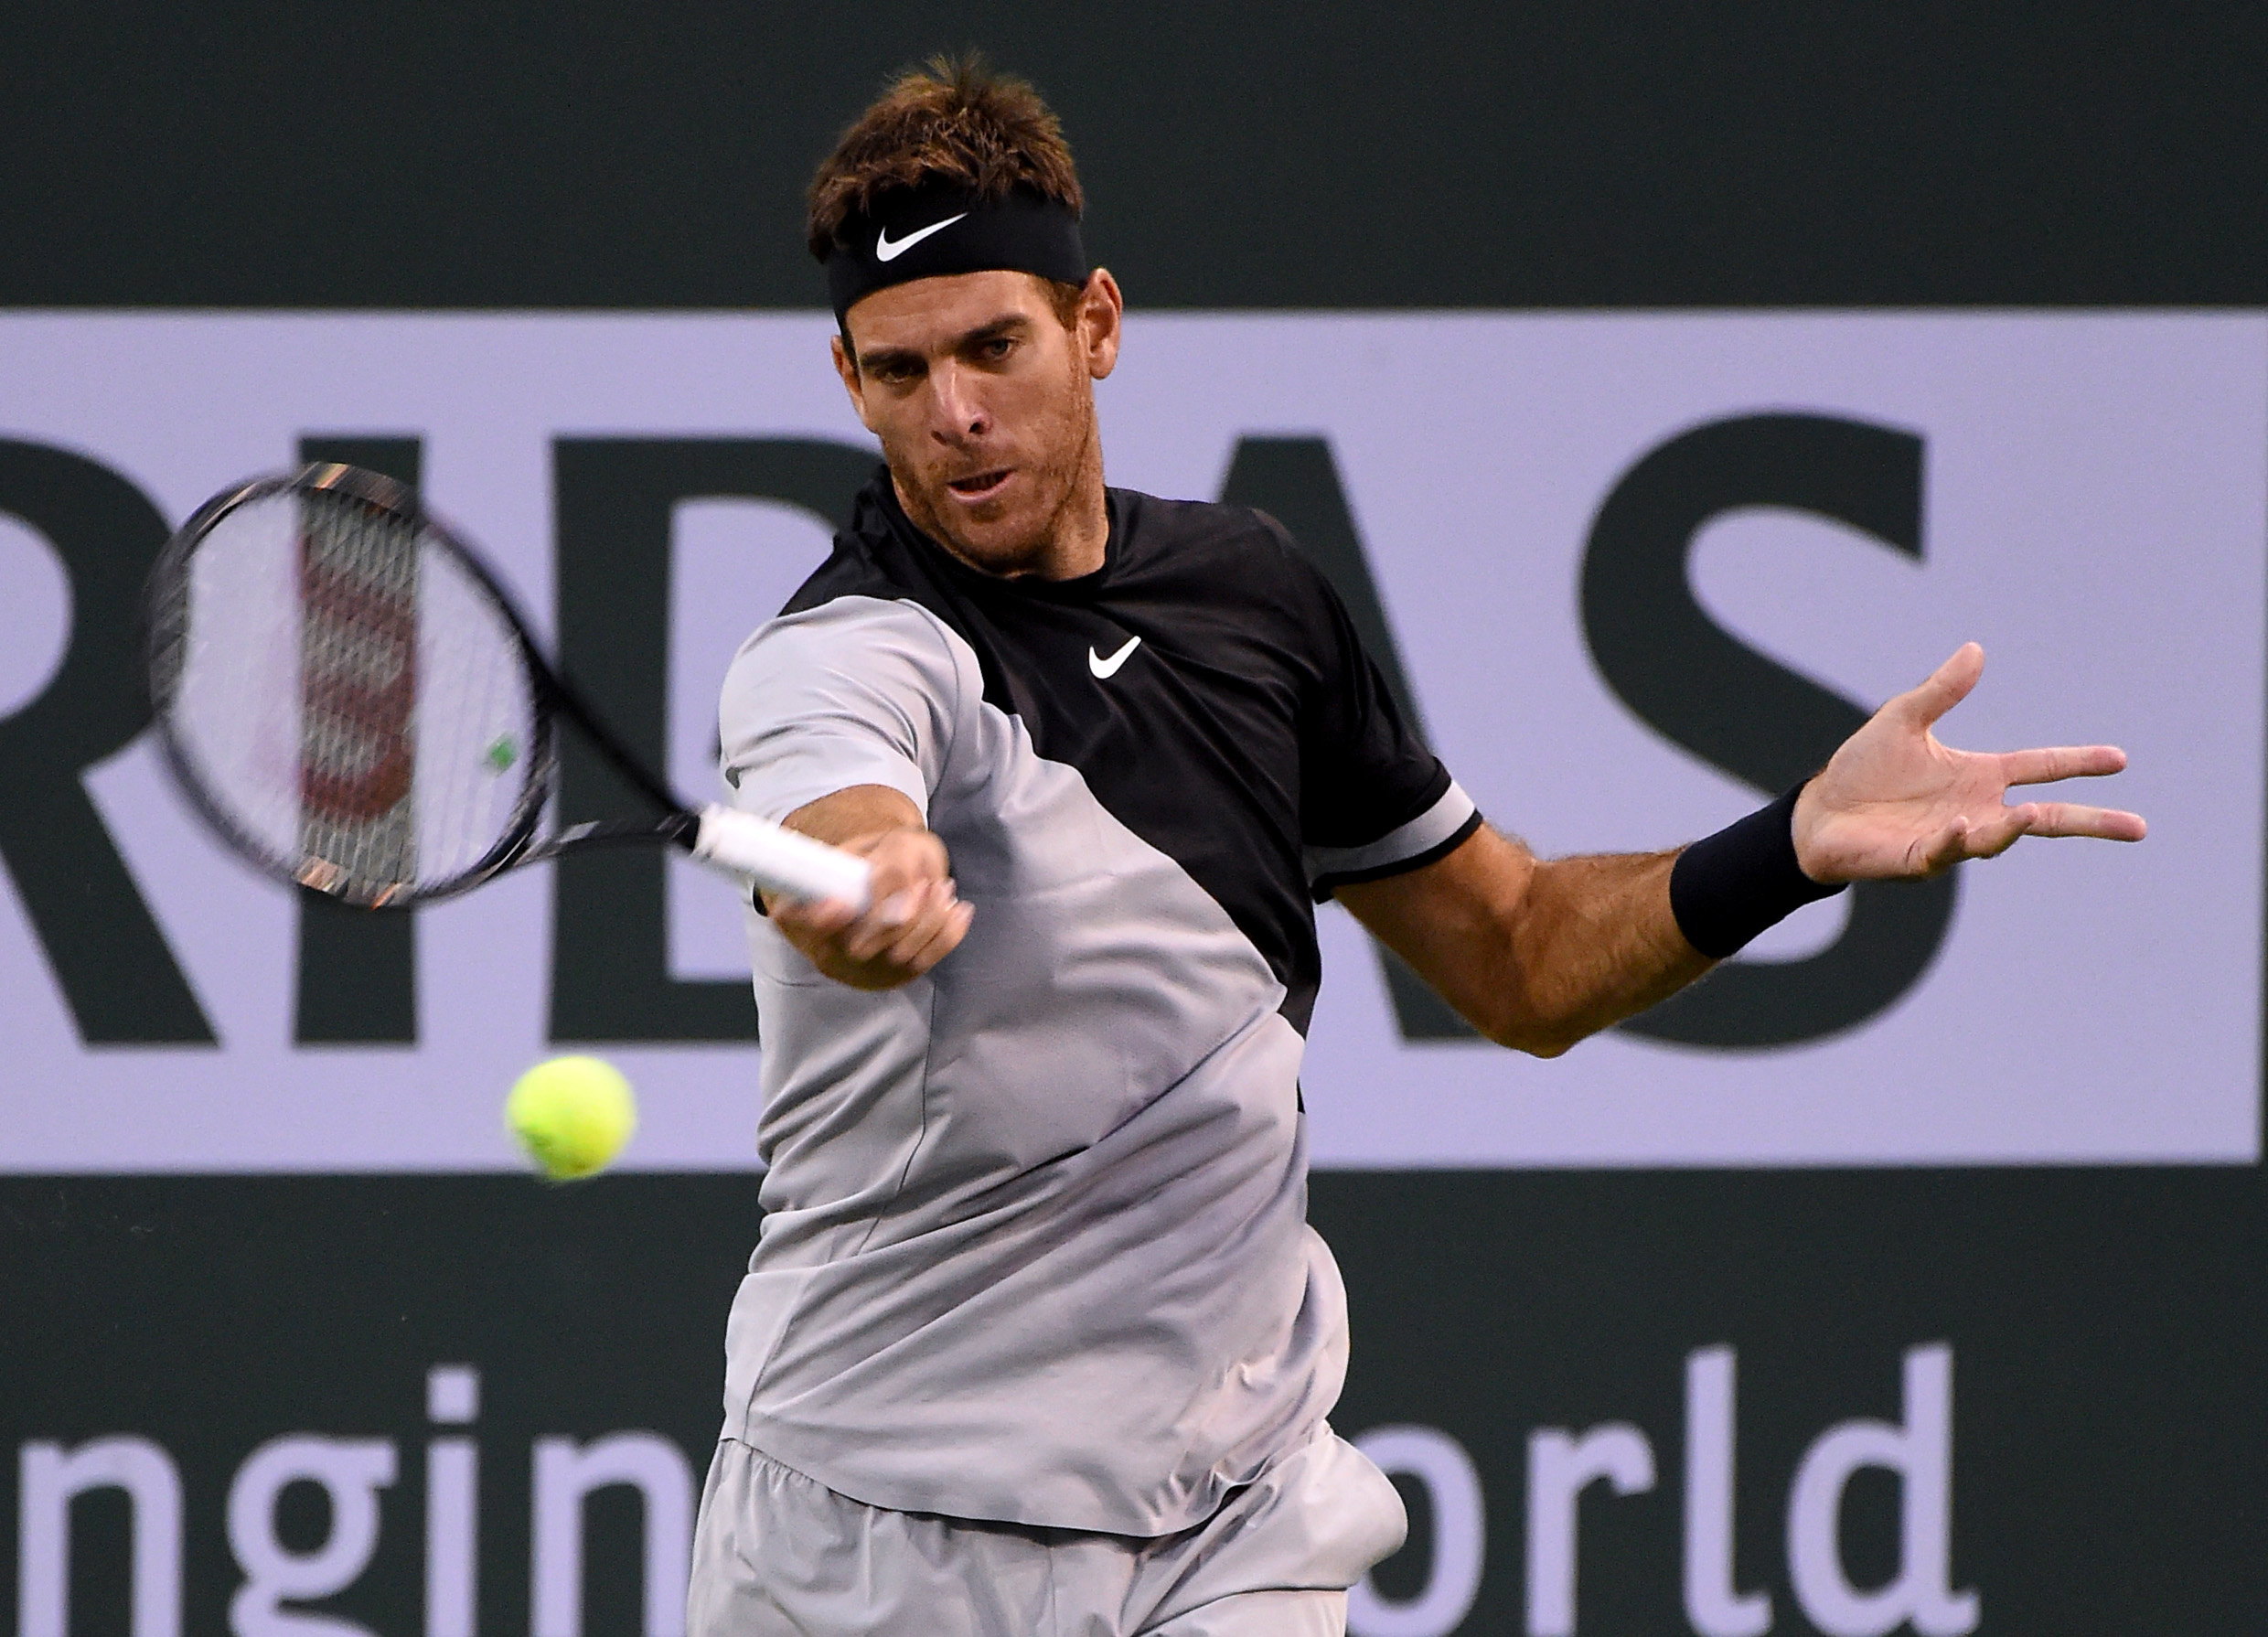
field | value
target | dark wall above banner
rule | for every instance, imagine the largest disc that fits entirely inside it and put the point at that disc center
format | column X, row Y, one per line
column 1259, row 155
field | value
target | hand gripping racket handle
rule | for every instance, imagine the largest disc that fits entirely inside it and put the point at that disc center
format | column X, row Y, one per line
column 779, row 860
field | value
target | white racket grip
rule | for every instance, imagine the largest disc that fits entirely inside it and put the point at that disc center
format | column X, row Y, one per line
column 779, row 859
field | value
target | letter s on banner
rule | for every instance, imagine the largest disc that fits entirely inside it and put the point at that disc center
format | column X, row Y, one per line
column 1699, row 687
column 1460, row 1535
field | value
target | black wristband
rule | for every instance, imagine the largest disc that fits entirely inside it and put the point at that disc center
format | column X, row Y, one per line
column 1727, row 888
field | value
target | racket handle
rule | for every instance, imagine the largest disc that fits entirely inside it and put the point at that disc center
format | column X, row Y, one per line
column 777, row 860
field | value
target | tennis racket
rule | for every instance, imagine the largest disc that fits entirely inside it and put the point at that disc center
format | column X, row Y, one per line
column 347, row 695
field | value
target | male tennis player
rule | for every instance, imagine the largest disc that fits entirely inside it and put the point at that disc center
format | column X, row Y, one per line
column 1037, row 1339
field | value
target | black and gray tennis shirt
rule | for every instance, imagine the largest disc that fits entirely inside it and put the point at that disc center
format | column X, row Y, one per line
column 1036, row 1245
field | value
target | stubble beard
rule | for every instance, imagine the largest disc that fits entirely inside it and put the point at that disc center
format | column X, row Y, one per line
column 1061, row 483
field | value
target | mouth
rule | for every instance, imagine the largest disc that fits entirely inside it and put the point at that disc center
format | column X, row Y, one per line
column 979, row 487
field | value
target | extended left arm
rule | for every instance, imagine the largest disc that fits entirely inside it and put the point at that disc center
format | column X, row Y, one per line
column 1535, row 953
column 1539, row 954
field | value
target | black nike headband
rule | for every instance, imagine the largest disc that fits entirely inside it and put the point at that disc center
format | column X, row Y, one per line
column 929, row 232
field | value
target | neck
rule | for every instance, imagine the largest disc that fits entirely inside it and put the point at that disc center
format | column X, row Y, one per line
column 1079, row 537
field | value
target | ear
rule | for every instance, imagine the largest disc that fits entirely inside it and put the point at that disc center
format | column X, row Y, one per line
column 1101, row 310
column 847, row 369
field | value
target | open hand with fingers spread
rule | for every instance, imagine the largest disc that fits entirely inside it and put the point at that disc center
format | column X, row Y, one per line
column 1896, row 803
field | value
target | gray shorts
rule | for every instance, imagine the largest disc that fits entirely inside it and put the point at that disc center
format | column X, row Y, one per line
column 779, row 1555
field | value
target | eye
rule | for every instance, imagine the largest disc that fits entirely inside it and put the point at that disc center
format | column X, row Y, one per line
column 997, row 348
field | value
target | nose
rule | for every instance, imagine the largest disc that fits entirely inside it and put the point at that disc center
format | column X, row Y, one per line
column 960, row 415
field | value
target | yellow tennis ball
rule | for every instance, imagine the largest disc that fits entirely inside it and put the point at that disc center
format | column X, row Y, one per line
column 572, row 1115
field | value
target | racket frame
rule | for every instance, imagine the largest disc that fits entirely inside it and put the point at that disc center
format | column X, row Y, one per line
column 550, row 695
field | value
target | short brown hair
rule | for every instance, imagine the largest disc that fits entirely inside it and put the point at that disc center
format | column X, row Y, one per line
column 952, row 120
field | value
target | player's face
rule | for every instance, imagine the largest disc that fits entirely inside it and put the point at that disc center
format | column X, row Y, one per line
column 984, row 401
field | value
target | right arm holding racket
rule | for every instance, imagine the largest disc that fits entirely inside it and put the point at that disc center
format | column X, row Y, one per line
column 914, row 920
column 839, row 722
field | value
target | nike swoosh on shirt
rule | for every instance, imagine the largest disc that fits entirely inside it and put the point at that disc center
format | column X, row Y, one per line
column 1109, row 667
column 886, row 251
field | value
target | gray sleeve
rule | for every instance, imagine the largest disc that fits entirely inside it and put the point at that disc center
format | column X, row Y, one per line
column 856, row 691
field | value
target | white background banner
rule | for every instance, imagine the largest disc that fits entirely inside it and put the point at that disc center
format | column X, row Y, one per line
column 2094, row 497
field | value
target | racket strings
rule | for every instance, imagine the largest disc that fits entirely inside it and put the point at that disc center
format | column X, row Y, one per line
column 481, row 752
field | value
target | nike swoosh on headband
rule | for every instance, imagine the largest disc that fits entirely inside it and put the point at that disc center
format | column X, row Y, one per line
column 886, row 251
column 1109, row 667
